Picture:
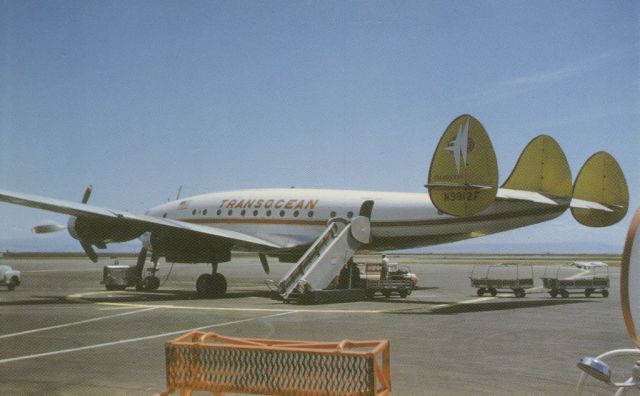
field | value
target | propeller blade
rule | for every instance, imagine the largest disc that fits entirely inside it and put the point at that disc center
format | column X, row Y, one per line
column 46, row 228
column 265, row 263
column 87, row 194
column 88, row 249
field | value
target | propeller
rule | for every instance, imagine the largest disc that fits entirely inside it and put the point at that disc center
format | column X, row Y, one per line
column 54, row 227
column 86, row 246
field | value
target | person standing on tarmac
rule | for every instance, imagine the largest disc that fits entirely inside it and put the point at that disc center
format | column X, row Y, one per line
column 385, row 268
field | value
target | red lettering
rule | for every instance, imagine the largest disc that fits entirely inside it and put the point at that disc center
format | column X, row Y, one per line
column 300, row 204
column 279, row 203
column 269, row 203
column 223, row 202
column 290, row 204
column 259, row 203
column 311, row 204
column 231, row 203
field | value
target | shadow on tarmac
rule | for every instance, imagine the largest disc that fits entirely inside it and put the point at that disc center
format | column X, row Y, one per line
column 495, row 305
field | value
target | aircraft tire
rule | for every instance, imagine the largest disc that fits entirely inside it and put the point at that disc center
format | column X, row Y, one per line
column 151, row 283
column 204, row 285
column 564, row 293
column 219, row 285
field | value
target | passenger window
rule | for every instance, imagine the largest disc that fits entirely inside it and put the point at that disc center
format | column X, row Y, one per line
column 193, row 212
column 219, row 212
column 243, row 212
column 296, row 213
column 282, row 213
column 230, row 212
column 255, row 213
column 310, row 214
column 268, row 213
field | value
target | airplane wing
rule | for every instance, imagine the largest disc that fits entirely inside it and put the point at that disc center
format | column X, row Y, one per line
column 149, row 223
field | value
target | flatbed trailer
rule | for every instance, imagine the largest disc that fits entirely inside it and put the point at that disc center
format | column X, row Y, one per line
column 594, row 279
column 502, row 277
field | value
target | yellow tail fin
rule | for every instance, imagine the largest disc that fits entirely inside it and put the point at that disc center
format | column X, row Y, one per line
column 601, row 180
column 543, row 168
column 463, row 177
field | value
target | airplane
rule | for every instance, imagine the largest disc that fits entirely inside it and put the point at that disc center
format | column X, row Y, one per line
column 462, row 201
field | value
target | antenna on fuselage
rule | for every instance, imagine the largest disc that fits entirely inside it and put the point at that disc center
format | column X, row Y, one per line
column 178, row 194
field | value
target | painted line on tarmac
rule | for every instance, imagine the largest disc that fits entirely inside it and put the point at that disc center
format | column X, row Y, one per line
column 75, row 323
column 130, row 340
column 229, row 309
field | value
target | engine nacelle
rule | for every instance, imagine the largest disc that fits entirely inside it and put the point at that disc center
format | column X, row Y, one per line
column 98, row 231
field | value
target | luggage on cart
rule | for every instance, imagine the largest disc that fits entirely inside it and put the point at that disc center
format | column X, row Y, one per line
column 506, row 276
column 586, row 277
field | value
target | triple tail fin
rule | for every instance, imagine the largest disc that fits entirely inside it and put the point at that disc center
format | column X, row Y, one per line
column 542, row 168
column 463, row 177
column 600, row 181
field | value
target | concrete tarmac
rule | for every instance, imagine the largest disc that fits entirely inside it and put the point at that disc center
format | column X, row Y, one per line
column 62, row 333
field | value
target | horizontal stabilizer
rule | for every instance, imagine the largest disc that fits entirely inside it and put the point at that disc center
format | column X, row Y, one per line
column 542, row 168
column 463, row 177
column 600, row 181
column 506, row 193
column 582, row 204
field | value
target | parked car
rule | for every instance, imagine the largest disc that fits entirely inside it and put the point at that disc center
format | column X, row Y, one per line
column 9, row 277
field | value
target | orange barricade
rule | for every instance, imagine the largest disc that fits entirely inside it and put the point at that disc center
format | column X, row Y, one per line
column 213, row 363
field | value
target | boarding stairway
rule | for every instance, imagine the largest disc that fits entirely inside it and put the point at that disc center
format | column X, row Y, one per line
column 326, row 257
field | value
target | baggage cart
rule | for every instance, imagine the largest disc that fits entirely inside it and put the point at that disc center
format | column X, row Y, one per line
column 500, row 277
column 577, row 277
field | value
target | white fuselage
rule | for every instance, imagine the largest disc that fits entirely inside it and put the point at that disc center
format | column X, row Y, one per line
column 296, row 217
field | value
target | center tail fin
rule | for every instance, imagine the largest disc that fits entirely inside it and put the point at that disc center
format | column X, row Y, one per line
column 542, row 168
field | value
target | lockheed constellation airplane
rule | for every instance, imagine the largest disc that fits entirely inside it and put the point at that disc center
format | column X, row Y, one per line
column 463, row 201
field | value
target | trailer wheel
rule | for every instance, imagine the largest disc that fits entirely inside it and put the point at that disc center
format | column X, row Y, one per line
column 13, row 283
column 403, row 293
column 553, row 293
column 587, row 292
column 369, row 294
column 564, row 293
column 493, row 292
column 386, row 293
column 605, row 293
column 480, row 292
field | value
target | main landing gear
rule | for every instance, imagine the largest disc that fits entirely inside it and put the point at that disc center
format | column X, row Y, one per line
column 151, row 281
column 211, row 285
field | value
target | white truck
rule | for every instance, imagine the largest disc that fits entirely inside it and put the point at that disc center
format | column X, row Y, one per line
column 9, row 277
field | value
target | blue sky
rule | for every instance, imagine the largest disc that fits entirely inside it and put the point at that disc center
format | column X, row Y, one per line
column 138, row 98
